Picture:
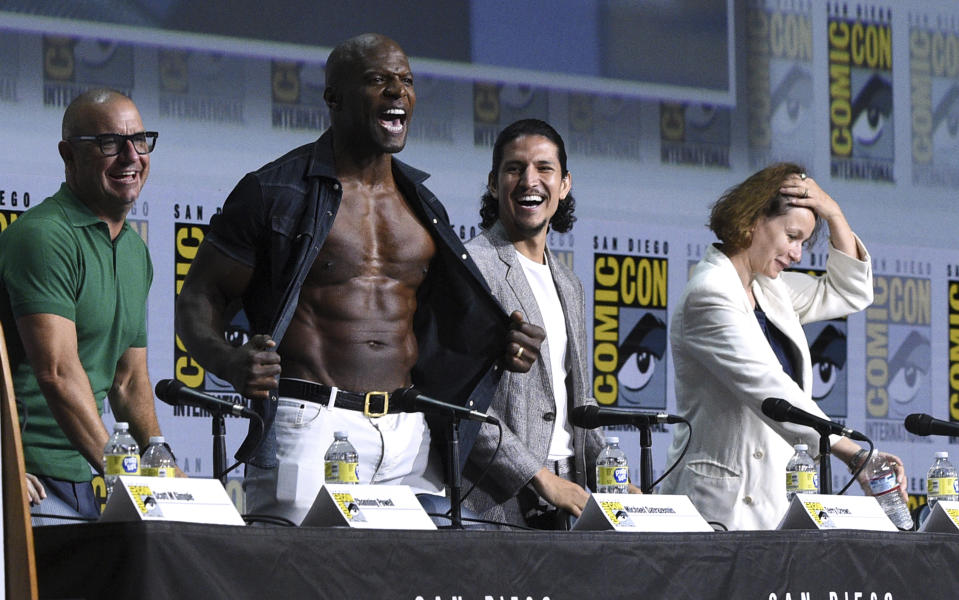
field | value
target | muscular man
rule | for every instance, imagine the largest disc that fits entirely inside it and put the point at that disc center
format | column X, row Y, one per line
column 354, row 285
column 539, row 474
column 74, row 278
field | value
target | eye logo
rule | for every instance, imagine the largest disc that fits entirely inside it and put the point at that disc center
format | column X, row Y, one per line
column 828, row 355
column 907, row 368
column 639, row 354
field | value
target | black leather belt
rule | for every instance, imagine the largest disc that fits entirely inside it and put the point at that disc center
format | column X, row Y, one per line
column 371, row 404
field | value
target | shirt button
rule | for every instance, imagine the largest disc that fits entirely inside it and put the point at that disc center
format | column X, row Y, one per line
column 336, row 187
column 748, row 500
column 435, row 221
column 471, row 403
column 549, row 416
column 758, row 454
column 465, row 256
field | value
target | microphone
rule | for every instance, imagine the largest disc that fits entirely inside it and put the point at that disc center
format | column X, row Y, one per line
column 780, row 410
column 923, row 424
column 175, row 393
column 591, row 417
column 411, row 400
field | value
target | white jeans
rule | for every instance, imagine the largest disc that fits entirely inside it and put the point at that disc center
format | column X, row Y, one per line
column 392, row 449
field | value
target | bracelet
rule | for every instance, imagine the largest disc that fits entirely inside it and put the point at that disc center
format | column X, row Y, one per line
column 856, row 459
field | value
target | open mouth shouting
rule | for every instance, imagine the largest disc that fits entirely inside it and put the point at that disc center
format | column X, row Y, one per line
column 393, row 120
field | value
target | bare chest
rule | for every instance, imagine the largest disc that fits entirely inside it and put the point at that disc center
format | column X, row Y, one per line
column 374, row 237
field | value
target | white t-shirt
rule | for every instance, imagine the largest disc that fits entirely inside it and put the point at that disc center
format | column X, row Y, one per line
column 544, row 290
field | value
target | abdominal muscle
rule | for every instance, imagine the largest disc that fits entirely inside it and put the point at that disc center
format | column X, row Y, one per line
column 356, row 335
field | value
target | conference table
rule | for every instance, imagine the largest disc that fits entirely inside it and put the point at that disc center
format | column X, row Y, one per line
column 163, row 559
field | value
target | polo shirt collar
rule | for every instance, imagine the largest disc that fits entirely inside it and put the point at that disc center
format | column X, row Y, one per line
column 78, row 213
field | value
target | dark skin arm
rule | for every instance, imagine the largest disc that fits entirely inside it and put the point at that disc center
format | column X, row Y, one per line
column 212, row 284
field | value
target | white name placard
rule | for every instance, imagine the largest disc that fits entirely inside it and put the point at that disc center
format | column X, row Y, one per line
column 365, row 506
column 943, row 518
column 193, row 500
column 640, row 512
column 825, row 511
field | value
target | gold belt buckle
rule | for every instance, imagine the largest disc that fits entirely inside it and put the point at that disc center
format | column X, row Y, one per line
column 386, row 404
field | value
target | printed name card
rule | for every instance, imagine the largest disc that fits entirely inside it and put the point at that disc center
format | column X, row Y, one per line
column 367, row 507
column 824, row 511
column 944, row 518
column 193, row 500
column 640, row 512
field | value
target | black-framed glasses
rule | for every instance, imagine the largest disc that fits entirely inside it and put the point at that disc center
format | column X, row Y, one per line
column 111, row 143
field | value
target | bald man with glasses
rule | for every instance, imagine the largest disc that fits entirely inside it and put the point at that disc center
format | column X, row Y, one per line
column 74, row 279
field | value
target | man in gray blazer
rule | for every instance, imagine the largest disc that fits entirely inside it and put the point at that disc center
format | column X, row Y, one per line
column 538, row 476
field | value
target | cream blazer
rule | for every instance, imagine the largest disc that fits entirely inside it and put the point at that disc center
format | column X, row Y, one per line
column 734, row 470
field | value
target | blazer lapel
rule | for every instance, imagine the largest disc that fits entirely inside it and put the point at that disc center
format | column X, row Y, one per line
column 519, row 286
column 777, row 314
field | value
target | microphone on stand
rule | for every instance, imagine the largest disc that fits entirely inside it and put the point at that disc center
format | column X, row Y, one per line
column 923, row 424
column 176, row 393
column 590, row 417
column 410, row 399
column 781, row 410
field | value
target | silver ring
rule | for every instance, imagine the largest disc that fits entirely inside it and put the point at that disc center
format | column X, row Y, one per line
column 805, row 193
column 519, row 353
column 803, row 176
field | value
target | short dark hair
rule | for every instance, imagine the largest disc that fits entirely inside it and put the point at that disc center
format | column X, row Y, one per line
column 733, row 216
column 564, row 218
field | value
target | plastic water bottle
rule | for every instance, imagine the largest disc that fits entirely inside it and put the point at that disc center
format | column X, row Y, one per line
column 883, row 484
column 341, row 460
column 801, row 475
column 121, row 456
column 157, row 460
column 941, row 483
column 612, row 471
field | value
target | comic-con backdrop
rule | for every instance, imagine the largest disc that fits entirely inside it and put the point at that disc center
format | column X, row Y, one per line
column 866, row 95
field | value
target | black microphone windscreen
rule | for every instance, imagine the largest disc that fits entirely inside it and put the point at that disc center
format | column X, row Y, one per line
column 918, row 423
column 776, row 409
column 165, row 388
column 584, row 416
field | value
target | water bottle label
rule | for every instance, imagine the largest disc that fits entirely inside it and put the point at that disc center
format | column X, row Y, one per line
column 883, row 484
column 123, row 464
column 612, row 475
column 942, row 486
column 158, row 471
column 349, row 472
column 803, row 482
column 332, row 474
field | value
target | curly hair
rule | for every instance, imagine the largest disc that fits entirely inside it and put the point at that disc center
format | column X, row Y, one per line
column 564, row 218
column 737, row 211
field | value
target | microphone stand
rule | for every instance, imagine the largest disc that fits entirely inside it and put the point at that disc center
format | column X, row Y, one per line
column 219, row 446
column 453, row 475
column 825, row 467
column 646, row 458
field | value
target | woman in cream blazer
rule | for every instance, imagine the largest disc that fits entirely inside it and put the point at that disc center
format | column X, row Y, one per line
column 726, row 364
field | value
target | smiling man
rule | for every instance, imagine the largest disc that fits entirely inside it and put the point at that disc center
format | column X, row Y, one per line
column 74, row 278
column 354, row 285
column 539, row 475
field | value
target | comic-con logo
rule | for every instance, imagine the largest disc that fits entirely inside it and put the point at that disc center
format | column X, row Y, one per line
column 629, row 330
column 898, row 351
column 860, row 95
column 779, row 83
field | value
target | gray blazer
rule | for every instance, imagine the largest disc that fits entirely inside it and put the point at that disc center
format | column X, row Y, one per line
column 524, row 402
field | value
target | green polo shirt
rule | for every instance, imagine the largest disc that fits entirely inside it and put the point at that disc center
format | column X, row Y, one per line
column 58, row 258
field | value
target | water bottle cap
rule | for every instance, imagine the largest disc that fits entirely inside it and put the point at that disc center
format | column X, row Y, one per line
column 121, row 426
column 341, row 435
column 157, row 439
column 942, row 455
column 801, row 447
column 612, row 439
